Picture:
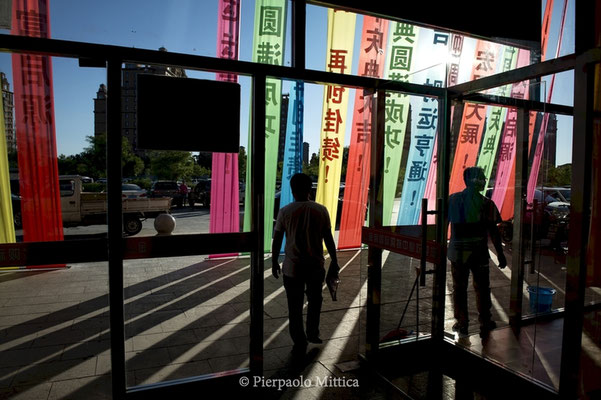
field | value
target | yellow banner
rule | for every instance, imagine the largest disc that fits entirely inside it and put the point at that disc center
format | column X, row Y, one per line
column 339, row 56
column 7, row 227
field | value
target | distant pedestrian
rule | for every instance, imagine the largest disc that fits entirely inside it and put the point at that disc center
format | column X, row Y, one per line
column 183, row 191
column 307, row 226
column 473, row 218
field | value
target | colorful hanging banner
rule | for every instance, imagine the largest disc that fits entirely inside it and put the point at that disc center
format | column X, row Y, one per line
column 7, row 226
column 495, row 118
column 36, row 137
column 225, row 186
column 455, row 51
column 506, row 158
column 400, row 62
column 371, row 63
column 423, row 127
column 293, row 147
column 268, row 48
column 538, row 153
column 472, row 123
column 339, row 57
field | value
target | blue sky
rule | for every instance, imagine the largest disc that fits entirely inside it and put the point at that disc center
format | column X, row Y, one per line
column 190, row 26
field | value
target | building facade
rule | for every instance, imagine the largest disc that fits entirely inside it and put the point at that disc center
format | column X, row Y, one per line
column 129, row 75
column 8, row 106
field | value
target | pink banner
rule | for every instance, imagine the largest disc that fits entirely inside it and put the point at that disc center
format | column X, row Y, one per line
column 506, row 160
column 538, row 154
column 225, row 185
column 36, row 137
column 371, row 63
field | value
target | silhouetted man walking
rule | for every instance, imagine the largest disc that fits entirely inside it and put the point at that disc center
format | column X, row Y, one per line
column 473, row 217
column 307, row 226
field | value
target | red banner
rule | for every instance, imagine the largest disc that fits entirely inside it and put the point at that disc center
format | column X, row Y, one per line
column 371, row 63
column 474, row 116
column 36, row 137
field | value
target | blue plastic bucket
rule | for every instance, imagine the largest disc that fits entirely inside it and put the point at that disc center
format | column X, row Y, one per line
column 541, row 298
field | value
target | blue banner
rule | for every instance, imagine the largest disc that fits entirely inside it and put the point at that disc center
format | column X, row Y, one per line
column 424, row 123
column 293, row 148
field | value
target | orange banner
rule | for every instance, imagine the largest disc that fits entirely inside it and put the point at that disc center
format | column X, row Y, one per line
column 371, row 63
column 474, row 115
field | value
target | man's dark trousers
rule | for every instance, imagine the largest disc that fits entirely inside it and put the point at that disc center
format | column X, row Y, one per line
column 295, row 292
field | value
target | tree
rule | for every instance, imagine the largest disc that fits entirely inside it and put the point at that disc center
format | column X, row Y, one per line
column 172, row 165
column 242, row 163
column 312, row 169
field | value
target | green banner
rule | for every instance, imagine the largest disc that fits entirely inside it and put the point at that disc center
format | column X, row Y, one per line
column 268, row 48
column 494, row 123
column 399, row 60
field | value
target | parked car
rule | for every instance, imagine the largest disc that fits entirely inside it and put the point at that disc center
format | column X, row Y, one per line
column 550, row 216
column 132, row 191
column 167, row 189
column 201, row 193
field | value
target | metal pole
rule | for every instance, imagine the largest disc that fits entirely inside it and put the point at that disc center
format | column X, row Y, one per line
column 299, row 27
column 442, row 188
column 257, row 224
column 521, row 185
column 374, row 254
column 580, row 217
column 115, row 228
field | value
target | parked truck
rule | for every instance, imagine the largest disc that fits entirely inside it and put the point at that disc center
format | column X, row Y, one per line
column 89, row 208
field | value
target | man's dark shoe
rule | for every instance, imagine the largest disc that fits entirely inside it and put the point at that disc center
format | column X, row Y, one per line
column 314, row 339
column 486, row 327
column 462, row 330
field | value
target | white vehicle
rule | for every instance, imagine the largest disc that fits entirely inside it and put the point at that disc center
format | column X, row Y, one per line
column 86, row 208
column 132, row 191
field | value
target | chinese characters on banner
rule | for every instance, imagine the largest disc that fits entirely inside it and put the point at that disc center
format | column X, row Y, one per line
column 455, row 51
column 293, row 147
column 472, row 123
column 339, row 56
column 423, row 128
column 225, row 214
column 496, row 117
column 371, row 63
column 400, row 59
column 268, row 48
column 36, row 137
column 506, row 157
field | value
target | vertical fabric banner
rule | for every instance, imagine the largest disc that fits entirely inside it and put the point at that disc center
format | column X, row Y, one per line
column 455, row 51
column 505, row 162
column 7, row 226
column 371, row 63
column 496, row 116
column 268, row 48
column 225, row 186
column 36, row 137
column 293, row 147
column 538, row 152
column 423, row 128
column 400, row 61
column 472, row 124
column 339, row 57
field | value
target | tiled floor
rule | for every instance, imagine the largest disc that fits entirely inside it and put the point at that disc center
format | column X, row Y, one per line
column 190, row 316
